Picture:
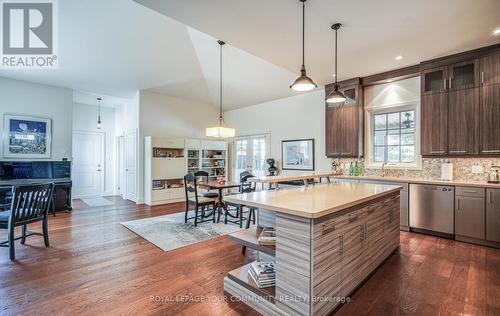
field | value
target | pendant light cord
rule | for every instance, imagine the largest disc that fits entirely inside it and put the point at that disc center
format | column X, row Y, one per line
column 220, row 81
column 336, row 56
column 303, row 32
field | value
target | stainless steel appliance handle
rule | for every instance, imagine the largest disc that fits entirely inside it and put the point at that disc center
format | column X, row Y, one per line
column 482, row 77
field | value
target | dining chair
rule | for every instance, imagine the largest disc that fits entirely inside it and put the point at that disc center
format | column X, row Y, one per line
column 204, row 175
column 245, row 187
column 200, row 204
column 30, row 204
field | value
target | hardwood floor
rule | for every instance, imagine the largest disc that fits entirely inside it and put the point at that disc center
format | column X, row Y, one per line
column 95, row 266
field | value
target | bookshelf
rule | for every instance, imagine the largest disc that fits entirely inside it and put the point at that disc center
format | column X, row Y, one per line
column 168, row 160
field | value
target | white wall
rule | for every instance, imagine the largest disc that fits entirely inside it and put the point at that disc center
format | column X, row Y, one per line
column 85, row 119
column 20, row 97
column 166, row 116
column 297, row 117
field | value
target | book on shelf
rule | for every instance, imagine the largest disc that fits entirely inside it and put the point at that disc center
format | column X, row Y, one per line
column 263, row 273
column 267, row 236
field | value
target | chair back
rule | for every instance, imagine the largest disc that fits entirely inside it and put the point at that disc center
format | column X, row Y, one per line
column 245, row 186
column 191, row 188
column 30, row 203
column 202, row 174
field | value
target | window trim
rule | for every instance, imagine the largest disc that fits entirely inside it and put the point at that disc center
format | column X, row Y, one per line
column 369, row 135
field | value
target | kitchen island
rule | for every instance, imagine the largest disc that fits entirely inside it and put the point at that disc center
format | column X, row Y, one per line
column 329, row 238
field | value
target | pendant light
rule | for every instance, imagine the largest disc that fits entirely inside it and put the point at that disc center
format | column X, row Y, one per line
column 99, row 122
column 336, row 96
column 303, row 83
column 220, row 131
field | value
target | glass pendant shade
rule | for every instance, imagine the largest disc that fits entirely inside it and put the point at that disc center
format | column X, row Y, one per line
column 220, row 132
column 336, row 97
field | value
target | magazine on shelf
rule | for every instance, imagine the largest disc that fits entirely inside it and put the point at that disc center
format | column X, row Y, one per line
column 268, row 236
column 263, row 273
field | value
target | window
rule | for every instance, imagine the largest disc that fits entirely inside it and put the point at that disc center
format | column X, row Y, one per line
column 394, row 138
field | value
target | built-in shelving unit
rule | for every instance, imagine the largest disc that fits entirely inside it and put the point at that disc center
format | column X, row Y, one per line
column 168, row 160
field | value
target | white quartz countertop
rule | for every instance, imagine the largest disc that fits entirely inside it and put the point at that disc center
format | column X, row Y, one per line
column 464, row 183
column 316, row 200
column 292, row 177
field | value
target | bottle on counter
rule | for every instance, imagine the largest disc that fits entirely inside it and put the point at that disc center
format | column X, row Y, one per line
column 357, row 170
column 351, row 169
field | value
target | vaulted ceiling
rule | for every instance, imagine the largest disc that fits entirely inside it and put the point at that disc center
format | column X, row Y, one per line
column 116, row 47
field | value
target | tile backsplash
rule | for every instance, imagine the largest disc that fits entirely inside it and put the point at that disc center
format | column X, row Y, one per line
column 431, row 168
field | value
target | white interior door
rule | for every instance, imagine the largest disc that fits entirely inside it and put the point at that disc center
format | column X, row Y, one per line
column 120, row 165
column 250, row 154
column 88, row 164
column 131, row 165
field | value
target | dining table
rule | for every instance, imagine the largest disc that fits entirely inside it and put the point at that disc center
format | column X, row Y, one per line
column 219, row 186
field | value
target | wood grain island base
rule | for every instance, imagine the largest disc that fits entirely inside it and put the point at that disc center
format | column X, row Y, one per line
column 329, row 239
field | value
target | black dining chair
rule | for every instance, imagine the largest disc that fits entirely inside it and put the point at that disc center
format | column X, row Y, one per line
column 245, row 187
column 204, row 175
column 201, row 204
column 30, row 204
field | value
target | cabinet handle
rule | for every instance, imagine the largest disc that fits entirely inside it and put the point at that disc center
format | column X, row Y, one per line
column 444, row 83
column 341, row 237
column 366, row 228
column 458, row 151
column 437, row 152
column 362, row 232
column 490, row 198
column 328, row 228
column 482, row 77
column 458, row 204
column 346, row 154
column 491, row 151
column 449, row 83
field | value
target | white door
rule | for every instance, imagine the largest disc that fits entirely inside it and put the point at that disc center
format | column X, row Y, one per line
column 131, row 165
column 250, row 154
column 88, row 164
column 120, row 165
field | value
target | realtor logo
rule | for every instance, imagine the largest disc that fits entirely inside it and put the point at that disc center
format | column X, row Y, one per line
column 28, row 34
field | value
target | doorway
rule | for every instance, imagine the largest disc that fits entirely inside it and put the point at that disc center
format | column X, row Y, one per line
column 88, row 164
column 250, row 154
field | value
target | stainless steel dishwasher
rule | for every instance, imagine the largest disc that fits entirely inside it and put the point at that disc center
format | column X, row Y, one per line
column 432, row 207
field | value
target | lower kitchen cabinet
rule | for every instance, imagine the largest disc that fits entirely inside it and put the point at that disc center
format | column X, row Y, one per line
column 470, row 212
column 493, row 215
column 403, row 213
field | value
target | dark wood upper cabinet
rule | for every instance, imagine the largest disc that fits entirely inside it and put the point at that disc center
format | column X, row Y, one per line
column 434, row 124
column 463, row 122
column 490, row 69
column 344, row 122
column 490, row 120
column 463, row 75
column 434, row 80
column 460, row 100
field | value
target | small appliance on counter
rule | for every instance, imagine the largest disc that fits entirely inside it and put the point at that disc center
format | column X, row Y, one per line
column 493, row 177
column 447, row 171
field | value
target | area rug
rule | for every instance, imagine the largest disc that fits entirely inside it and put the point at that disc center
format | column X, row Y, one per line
column 169, row 232
column 97, row 201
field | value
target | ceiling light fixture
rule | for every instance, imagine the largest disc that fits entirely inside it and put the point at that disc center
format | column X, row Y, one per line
column 399, row 57
column 220, row 131
column 99, row 122
column 496, row 31
column 336, row 96
column 303, row 83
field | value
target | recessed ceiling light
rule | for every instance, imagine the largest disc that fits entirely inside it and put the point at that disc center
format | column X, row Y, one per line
column 496, row 31
column 399, row 57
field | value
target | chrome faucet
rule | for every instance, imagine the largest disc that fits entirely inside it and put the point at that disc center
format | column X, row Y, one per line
column 383, row 169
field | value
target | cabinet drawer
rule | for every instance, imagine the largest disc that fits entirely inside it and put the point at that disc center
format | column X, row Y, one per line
column 468, row 191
